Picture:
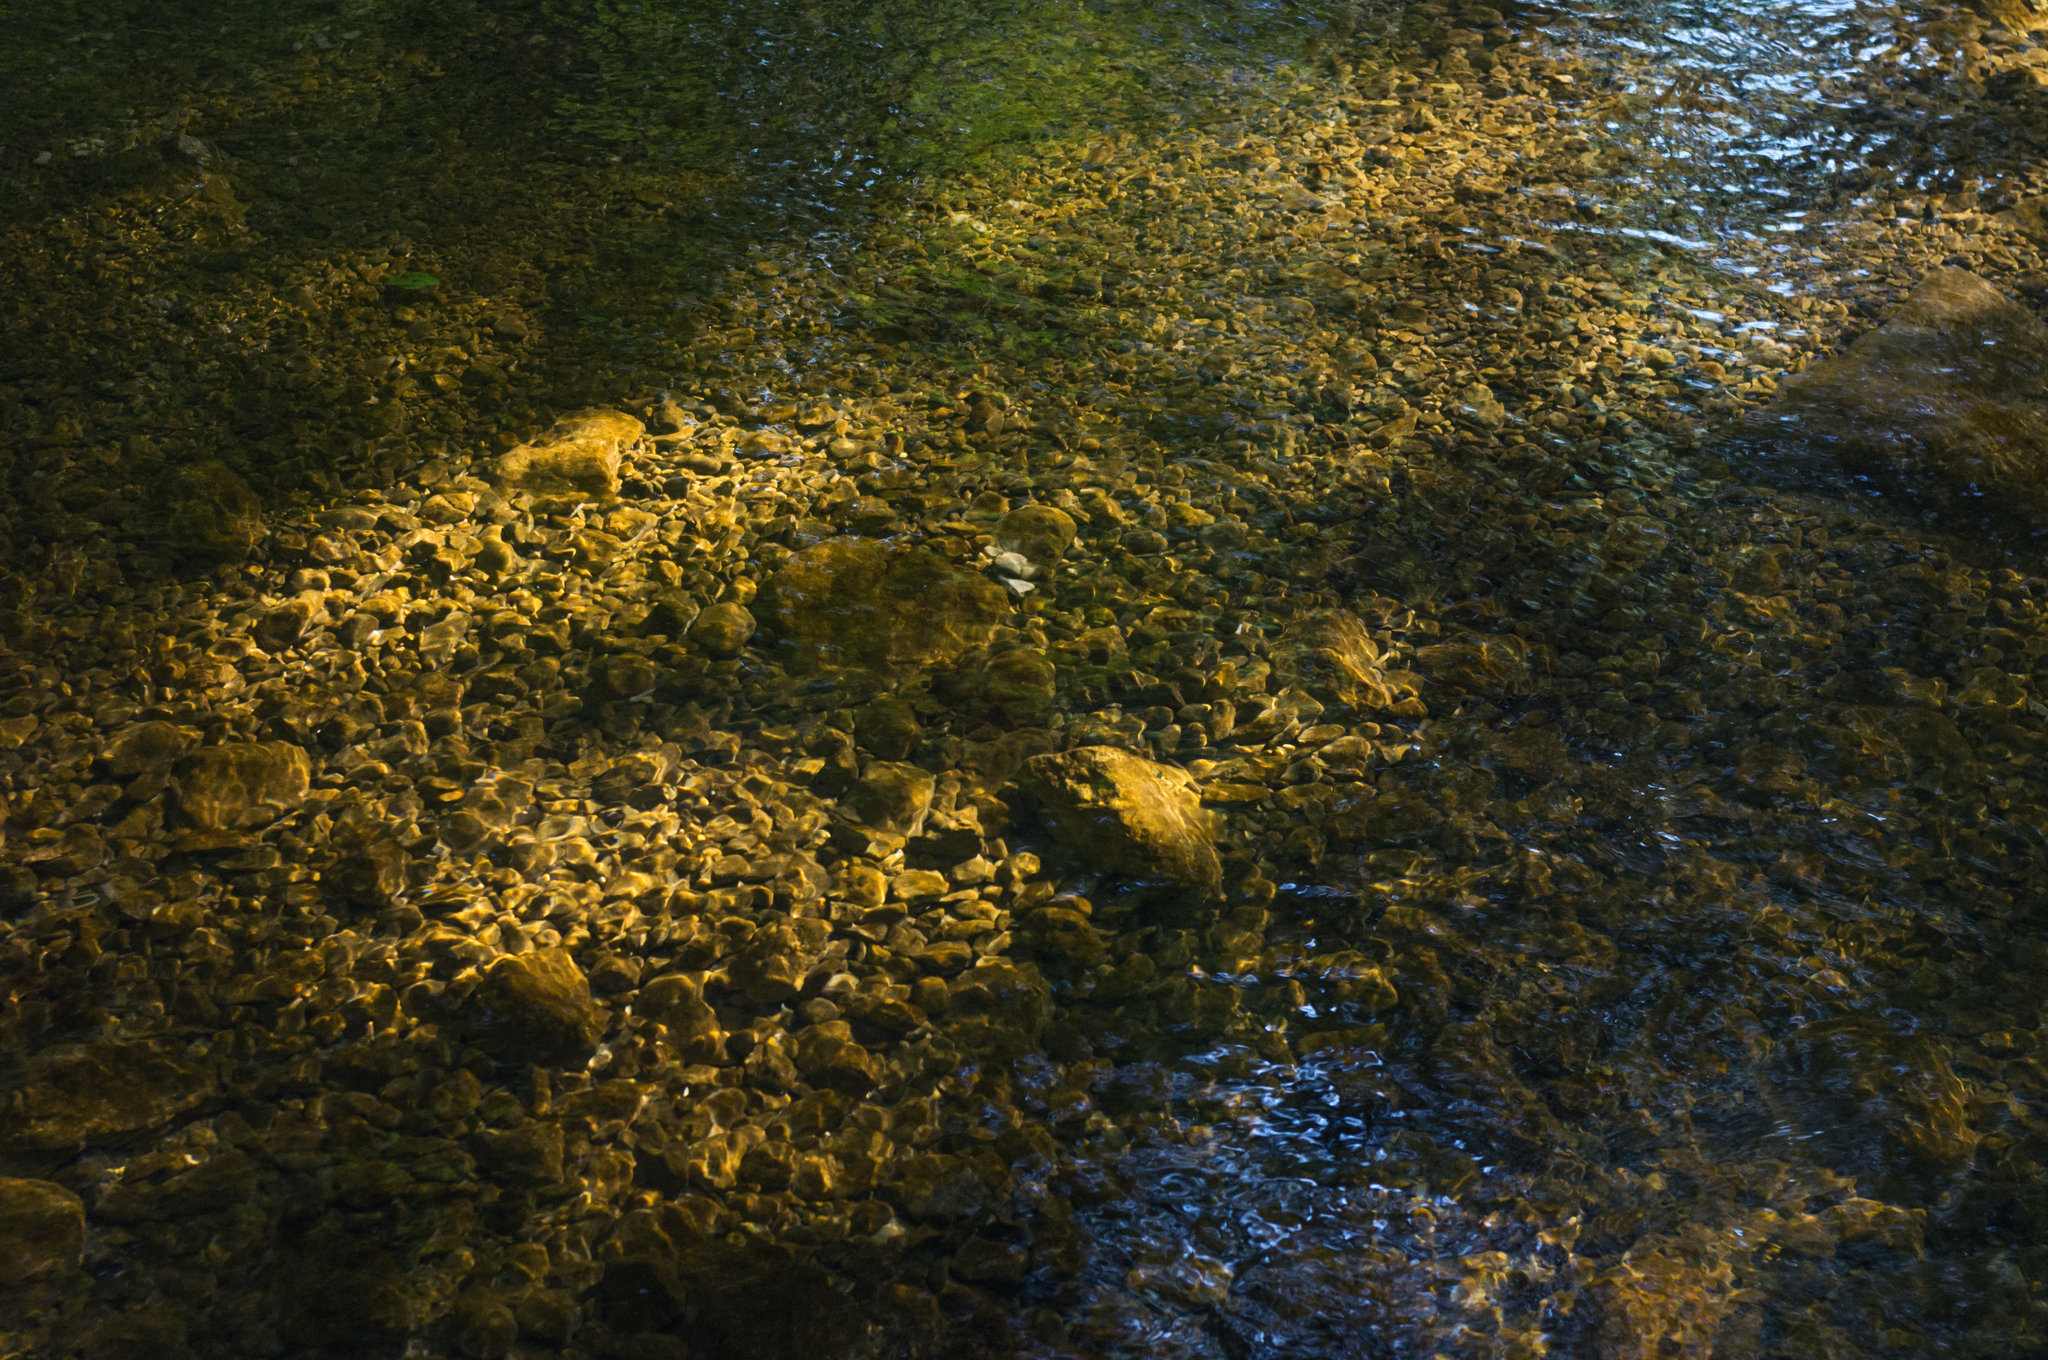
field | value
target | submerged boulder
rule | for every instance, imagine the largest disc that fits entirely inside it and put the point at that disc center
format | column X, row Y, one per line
column 208, row 513
column 534, row 1008
column 241, row 785
column 1123, row 814
column 579, row 455
column 42, row 1230
column 1332, row 656
column 857, row 602
column 78, row 1094
column 1948, row 399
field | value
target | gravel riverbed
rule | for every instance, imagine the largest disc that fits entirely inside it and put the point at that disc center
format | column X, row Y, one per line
column 1279, row 789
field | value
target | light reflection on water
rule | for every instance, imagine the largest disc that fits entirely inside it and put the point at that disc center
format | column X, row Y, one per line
column 1681, row 1116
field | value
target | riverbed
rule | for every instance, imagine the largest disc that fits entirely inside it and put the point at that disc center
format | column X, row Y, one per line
column 1163, row 680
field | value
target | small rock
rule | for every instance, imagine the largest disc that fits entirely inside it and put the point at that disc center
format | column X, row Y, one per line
column 283, row 626
column 856, row 602
column 723, row 630
column 530, row 1154
column 484, row 1326
column 450, row 507
column 827, row 1056
column 1477, row 404
column 1013, row 689
column 1145, row 542
column 1127, row 815
column 980, row 1258
column 888, row 728
column 772, row 966
column 890, row 797
column 919, row 885
column 149, row 748
column 209, row 513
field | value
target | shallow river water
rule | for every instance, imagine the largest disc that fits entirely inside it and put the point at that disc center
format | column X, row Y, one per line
column 1556, row 876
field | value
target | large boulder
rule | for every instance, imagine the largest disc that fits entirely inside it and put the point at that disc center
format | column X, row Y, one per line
column 857, row 602
column 578, row 456
column 1332, row 656
column 1122, row 814
column 42, row 1230
column 1948, row 400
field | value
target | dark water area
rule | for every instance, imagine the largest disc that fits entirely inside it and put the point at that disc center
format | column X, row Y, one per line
column 1221, row 680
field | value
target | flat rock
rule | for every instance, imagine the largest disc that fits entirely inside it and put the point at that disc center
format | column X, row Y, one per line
column 1948, row 399
column 1123, row 814
column 42, row 1230
column 241, row 785
column 534, row 1008
column 78, row 1094
column 857, row 602
column 579, row 455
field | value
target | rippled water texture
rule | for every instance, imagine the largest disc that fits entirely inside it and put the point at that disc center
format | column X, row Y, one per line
column 1725, row 1068
column 606, row 887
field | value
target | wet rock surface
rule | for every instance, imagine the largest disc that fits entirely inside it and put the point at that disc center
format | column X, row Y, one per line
column 1117, row 813
column 579, row 455
column 1192, row 749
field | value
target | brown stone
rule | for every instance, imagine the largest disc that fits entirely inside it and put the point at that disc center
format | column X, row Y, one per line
column 723, row 629
column 534, row 1008
column 77, row 1094
column 241, row 785
column 1332, row 656
column 147, row 748
column 1122, row 814
column 1483, row 665
column 890, row 797
column 578, row 456
column 1040, row 532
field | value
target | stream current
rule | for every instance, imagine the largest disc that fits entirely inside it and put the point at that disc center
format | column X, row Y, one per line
column 1634, row 955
